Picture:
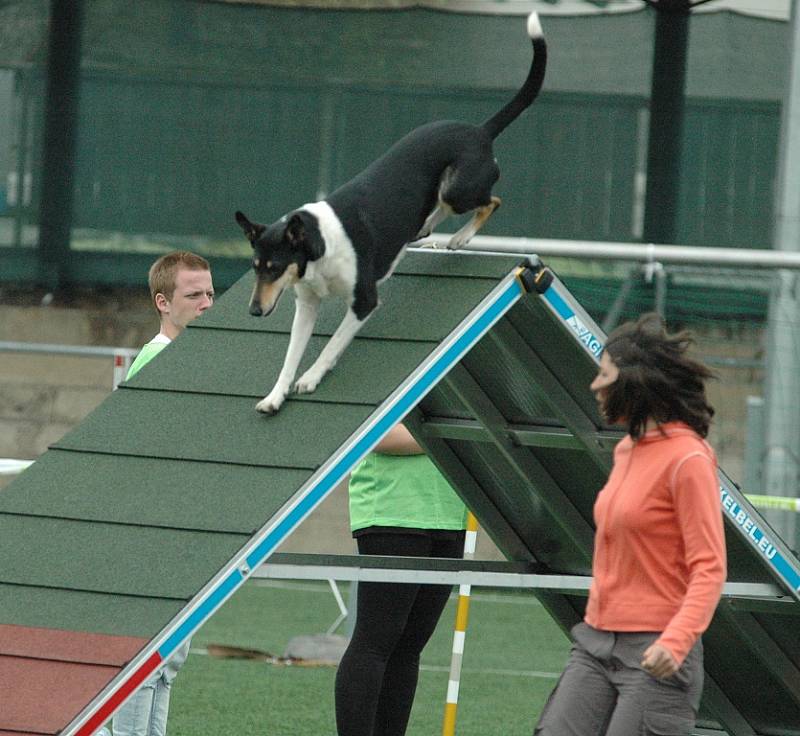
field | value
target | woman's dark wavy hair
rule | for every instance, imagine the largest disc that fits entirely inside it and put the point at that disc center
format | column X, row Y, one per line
column 656, row 378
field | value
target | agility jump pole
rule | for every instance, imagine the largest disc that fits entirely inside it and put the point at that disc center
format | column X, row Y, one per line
column 460, row 633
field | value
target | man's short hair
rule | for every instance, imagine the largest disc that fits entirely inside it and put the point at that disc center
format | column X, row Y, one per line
column 161, row 277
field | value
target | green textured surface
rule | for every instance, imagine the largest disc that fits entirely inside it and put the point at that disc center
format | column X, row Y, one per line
column 111, row 558
column 136, row 490
column 148, row 498
column 216, row 428
column 441, row 262
column 78, row 610
column 238, row 363
column 427, row 304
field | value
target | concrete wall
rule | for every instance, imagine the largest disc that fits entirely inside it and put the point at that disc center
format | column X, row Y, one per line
column 42, row 396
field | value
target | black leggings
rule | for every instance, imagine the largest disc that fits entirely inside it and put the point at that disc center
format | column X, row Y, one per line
column 377, row 676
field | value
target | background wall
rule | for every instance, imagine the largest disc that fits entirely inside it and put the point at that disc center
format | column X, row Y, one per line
column 190, row 110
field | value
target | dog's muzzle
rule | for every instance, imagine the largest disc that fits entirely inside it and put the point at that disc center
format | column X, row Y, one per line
column 266, row 293
column 257, row 311
column 265, row 297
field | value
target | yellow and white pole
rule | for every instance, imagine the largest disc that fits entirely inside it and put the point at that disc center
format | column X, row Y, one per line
column 774, row 502
column 460, row 633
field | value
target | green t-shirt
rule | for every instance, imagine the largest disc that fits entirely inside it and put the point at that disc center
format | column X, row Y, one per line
column 147, row 353
column 405, row 491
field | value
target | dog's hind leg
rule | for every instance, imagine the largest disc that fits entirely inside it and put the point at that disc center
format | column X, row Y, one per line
column 305, row 315
column 339, row 341
column 466, row 233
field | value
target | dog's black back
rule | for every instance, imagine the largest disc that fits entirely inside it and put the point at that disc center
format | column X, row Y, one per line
column 383, row 207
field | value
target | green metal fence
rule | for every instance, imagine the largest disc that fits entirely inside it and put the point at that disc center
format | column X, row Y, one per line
column 191, row 110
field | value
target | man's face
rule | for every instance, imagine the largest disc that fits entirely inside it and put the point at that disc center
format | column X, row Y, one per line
column 194, row 293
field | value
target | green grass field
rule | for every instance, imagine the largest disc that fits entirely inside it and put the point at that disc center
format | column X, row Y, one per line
column 514, row 652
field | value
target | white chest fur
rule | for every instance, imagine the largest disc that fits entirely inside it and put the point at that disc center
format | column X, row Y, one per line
column 335, row 272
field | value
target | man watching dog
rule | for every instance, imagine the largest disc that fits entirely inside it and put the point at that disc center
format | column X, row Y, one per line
column 181, row 289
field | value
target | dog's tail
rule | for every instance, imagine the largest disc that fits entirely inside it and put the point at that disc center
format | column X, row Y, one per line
column 527, row 94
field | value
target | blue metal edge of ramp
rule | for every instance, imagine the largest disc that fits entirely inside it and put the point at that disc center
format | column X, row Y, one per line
column 741, row 515
column 302, row 503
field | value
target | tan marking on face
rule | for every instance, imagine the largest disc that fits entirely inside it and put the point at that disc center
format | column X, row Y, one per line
column 266, row 293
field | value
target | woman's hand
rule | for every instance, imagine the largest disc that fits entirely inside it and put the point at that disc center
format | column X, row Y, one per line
column 659, row 662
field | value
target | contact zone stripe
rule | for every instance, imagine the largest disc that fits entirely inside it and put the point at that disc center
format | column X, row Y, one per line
column 103, row 713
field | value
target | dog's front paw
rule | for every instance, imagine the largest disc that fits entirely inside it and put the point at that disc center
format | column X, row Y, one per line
column 459, row 240
column 271, row 403
column 309, row 381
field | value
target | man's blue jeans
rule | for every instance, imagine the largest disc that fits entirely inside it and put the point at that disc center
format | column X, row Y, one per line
column 145, row 714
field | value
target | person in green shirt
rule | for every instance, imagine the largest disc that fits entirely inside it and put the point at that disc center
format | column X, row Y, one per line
column 400, row 504
column 181, row 289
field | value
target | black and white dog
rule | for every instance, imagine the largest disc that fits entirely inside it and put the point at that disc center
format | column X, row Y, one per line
column 348, row 243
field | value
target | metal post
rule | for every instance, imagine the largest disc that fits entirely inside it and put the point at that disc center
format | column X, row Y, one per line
column 123, row 359
column 666, row 120
column 20, row 201
column 352, row 607
column 660, row 290
column 60, row 120
column 615, row 311
column 754, row 445
column 782, row 385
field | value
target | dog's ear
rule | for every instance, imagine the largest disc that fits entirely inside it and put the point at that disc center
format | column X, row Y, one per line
column 251, row 229
column 295, row 232
column 302, row 232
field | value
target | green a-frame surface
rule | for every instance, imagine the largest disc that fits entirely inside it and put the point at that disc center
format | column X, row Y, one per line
column 126, row 535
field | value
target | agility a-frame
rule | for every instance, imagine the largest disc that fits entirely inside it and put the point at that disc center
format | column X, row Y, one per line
column 122, row 541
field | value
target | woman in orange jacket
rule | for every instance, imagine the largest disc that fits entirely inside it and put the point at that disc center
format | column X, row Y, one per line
column 636, row 665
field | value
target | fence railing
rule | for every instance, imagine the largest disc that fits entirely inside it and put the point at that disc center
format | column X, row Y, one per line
column 121, row 361
column 122, row 357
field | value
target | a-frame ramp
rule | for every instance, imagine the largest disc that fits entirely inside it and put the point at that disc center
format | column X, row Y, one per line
column 175, row 485
column 127, row 534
